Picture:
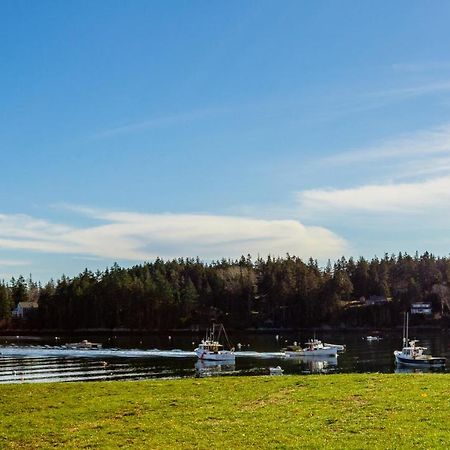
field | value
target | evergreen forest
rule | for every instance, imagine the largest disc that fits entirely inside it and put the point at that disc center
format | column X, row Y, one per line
column 283, row 292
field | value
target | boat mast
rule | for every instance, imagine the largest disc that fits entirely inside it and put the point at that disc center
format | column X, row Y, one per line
column 407, row 327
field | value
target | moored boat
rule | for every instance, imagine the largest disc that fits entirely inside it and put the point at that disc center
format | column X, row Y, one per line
column 373, row 338
column 84, row 345
column 313, row 347
column 413, row 354
column 210, row 348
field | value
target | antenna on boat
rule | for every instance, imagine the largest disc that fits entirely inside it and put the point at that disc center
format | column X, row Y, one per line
column 405, row 329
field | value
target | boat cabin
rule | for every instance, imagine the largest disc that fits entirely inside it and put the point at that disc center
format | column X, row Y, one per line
column 210, row 346
column 413, row 351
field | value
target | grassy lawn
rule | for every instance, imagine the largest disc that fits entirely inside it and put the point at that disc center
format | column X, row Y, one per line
column 333, row 411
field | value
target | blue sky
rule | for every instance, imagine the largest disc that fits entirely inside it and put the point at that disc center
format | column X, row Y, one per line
column 131, row 130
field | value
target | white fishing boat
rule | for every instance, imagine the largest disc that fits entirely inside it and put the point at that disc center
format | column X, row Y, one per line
column 84, row 345
column 210, row 348
column 313, row 347
column 413, row 354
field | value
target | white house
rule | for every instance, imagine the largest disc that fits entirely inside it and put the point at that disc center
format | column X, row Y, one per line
column 421, row 308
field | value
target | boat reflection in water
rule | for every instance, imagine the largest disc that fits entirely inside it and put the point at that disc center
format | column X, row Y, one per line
column 208, row 368
column 406, row 369
column 317, row 364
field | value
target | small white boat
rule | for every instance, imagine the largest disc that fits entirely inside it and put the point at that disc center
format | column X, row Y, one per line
column 84, row 345
column 373, row 338
column 276, row 370
column 210, row 348
column 413, row 354
column 314, row 347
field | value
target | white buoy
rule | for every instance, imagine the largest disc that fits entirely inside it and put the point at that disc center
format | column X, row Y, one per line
column 239, row 346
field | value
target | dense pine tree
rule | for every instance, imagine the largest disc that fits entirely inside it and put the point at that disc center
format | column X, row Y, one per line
column 271, row 292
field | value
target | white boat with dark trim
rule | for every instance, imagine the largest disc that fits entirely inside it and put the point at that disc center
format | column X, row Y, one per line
column 210, row 348
column 413, row 354
column 313, row 347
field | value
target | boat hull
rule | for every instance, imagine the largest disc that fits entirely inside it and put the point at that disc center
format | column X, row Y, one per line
column 419, row 362
column 216, row 356
column 330, row 352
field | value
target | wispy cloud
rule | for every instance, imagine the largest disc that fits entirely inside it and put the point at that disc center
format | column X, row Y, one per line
column 404, row 93
column 424, row 143
column 330, row 107
column 137, row 236
column 403, row 198
column 160, row 121
column 13, row 262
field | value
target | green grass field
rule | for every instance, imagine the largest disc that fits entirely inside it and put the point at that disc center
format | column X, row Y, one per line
column 332, row 411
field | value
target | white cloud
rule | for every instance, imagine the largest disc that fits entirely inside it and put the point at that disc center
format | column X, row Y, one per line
column 136, row 236
column 424, row 143
column 157, row 122
column 12, row 262
column 405, row 198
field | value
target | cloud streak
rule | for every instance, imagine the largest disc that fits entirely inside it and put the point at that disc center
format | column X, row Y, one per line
column 424, row 143
column 402, row 198
column 158, row 122
column 137, row 236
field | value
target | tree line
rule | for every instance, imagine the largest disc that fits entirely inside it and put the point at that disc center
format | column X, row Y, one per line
column 282, row 292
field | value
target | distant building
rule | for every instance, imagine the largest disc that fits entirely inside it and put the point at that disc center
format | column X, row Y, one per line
column 375, row 300
column 25, row 309
column 421, row 308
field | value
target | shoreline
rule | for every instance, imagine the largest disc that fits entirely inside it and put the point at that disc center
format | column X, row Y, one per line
column 28, row 332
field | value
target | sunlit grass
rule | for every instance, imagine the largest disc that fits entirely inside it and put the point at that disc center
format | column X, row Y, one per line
column 333, row 411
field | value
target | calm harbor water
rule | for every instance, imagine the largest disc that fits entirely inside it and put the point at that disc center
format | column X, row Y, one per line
column 44, row 359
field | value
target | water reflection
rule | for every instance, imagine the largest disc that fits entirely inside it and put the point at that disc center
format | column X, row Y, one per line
column 208, row 368
column 405, row 369
column 143, row 357
column 316, row 364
